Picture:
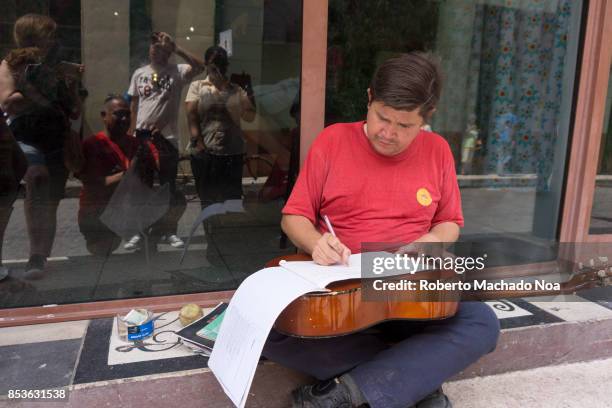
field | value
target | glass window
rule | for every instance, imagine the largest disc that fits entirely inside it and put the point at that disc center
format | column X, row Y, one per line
column 509, row 70
column 601, row 212
column 160, row 141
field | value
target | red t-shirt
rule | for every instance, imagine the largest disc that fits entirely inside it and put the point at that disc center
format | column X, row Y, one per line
column 369, row 197
column 103, row 157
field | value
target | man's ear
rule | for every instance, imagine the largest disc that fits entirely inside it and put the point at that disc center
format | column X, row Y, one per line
column 429, row 114
column 369, row 97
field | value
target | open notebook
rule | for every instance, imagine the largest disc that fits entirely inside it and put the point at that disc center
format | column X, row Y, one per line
column 200, row 336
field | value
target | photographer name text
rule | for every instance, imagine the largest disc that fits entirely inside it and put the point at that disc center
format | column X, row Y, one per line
column 428, row 285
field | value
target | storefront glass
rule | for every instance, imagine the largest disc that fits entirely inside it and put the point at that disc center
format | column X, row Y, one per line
column 175, row 219
column 505, row 111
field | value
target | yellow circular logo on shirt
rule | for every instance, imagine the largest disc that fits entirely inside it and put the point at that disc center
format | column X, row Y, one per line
column 423, row 197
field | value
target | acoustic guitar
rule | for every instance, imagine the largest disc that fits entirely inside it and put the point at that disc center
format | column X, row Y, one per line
column 343, row 311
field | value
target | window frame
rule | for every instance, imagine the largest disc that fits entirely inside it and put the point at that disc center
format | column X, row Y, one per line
column 588, row 123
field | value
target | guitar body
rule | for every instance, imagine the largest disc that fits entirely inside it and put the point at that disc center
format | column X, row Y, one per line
column 343, row 310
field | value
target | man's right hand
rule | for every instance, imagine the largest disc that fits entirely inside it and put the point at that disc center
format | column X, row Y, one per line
column 329, row 251
column 165, row 40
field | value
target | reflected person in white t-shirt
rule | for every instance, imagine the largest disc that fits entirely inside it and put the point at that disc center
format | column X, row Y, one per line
column 155, row 92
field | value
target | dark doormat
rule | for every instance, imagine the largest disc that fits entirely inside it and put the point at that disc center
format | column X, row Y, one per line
column 93, row 362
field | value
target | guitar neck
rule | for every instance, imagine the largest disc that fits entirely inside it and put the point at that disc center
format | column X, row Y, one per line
column 570, row 287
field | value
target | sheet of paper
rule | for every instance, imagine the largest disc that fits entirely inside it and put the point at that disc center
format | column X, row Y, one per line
column 248, row 319
column 321, row 275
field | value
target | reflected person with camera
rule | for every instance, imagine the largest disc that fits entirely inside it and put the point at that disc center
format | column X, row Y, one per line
column 107, row 157
column 155, row 91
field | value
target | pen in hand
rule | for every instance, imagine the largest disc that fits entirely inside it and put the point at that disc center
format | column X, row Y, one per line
column 331, row 231
column 329, row 226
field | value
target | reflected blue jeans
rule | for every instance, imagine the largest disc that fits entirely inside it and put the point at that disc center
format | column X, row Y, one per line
column 397, row 363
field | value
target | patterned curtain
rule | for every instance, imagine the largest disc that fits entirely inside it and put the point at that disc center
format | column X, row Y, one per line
column 508, row 81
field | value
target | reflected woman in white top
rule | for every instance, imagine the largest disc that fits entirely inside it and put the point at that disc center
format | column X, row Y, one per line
column 215, row 107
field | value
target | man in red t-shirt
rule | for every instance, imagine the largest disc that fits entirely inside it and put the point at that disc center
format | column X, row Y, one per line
column 108, row 155
column 382, row 180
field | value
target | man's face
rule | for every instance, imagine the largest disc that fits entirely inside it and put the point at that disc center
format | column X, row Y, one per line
column 116, row 117
column 389, row 130
column 159, row 53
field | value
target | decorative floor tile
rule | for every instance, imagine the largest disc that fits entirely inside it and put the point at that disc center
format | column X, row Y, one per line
column 520, row 313
column 164, row 344
column 93, row 363
column 505, row 309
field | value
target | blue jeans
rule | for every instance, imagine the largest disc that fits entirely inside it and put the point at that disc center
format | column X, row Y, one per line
column 33, row 154
column 396, row 363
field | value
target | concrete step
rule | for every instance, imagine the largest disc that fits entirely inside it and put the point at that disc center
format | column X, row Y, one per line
column 552, row 346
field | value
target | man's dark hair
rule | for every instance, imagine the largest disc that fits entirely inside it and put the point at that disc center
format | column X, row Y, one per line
column 408, row 82
column 113, row 97
column 217, row 56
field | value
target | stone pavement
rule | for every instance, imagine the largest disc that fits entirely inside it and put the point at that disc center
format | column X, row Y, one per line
column 574, row 385
column 564, row 386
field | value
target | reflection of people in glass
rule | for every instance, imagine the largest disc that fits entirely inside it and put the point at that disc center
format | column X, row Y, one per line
column 13, row 166
column 215, row 107
column 108, row 155
column 155, row 92
column 39, row 106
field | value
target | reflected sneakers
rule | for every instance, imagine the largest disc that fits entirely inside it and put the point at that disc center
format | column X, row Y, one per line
column 133, row 243
column 325, row 394
column 174, row 241
column 35, row 268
